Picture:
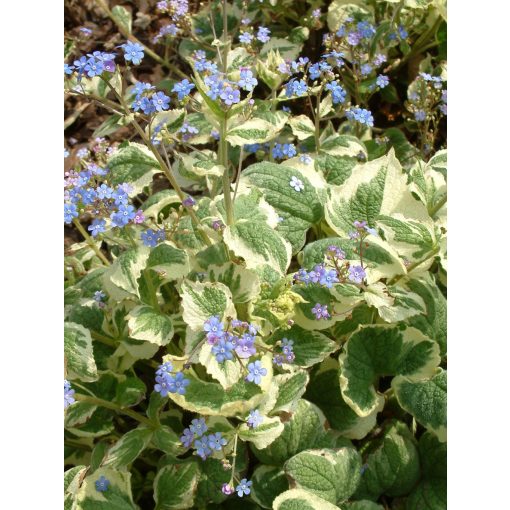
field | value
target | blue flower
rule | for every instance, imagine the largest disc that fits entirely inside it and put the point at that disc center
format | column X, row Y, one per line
column 365, row 29
column 328, row 278
column 164, row 384
column 360, row 115
column 247, row 81
column 147, row 106
column 202, row 448
column 68, row 394
column 420, row 115
column 245, row 347
column 243, row 487
column 102, row 484
column 126, row 212
column 94, row 67
column 245, row 38
column 263, row 34
column 382, row 81
column 338, row 93
column 183, row 88
column 187, row 438
column 179, row 383
column 321, row 311
column 214, row 328
column 230, row 96
column 70, row 212
column 198, row 427
column 366, row 69
column 133, row 52
column 97, row 226
column 68, row 69
column 254, row 418
column 99, row 295
column 165, row 368
column 160, row 101
column 314, row 71
column 222, row 350
column 296, row 184
column 297, row 88
column 255, row 372
column 216, row 441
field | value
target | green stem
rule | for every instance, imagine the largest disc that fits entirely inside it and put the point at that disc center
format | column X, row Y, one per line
column 152, row 290
column 413, row 266
column 234, row 456
column 438, row 206
column 273, row 110
column 114, row 407
column 103, row 338
column 90, row 241
column 317, row 123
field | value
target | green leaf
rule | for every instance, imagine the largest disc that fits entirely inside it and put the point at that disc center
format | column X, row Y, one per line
column 392, row 466
column 310, row 347
column 169, row 262
column 258, row 244
column 274, row 179
column 374, row 351
column 243, row 283
column 433, row 322
column 404, row 304
column 268, row 482
column 302, row 127
column 425, row 400
column 175, row 485
column 430, row 493
column 130, row 392
column 299, row 499
column 336, row 169
column 291, row 387
column 262, row 435
column 251, row 131
column 117, row 497
column 287, row 49
column 134, row 164
column 150, row 325
column 122, row 17
column 128, row 448
column 324, row 391
column 363, row 504
column 166, row 440
column 377, row 188
column 200, row 301
column 120, row 279
column 79, row 353
column 304, row 430
column 330, row 474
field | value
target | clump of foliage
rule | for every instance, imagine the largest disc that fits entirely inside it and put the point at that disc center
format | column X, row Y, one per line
column 255, row 286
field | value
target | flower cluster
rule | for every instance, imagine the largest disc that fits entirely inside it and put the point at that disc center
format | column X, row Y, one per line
column 237, row 338
column 248, row 36
column 360, row 115
column 284, row 151
column 86, row 191
column 427, row 98
column 204, row 445
column 177, row 10
column 169, row 382
column 68, row 394
column 93, row 64
column 148, row 101
column 287, row 355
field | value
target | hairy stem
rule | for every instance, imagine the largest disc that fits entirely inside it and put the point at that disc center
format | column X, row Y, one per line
column 90, row 241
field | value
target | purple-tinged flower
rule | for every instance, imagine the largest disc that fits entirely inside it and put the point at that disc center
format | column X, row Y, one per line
column 356, row 274
column 102, row 484
column 215, row 134
column 245, row 347
column 165, row 368
column 245, row 38
column 328, row 278
column 214, row 329
column 245, row 21
column 187, row 438
column 353, row 38
column 189, row 201
column 243, row 487
column 254, row 419
column 287, row 346
column 198, row 427
column 366, row 69
column 217, row 225
column 202, row 447
column 216, row 441
column 278, row 360
column 68, row 394
column 255, row 372
column 354, row 235
column 230, row 96
column 86, row 31
column 263, row 34
column 360, row 224
column 379, row 59
column 338, row 93
column 316, row 13
column 321, row 311
column 99, row 296
column 296, row 184
column 336, row 252
column 83, row 153
column 183, row 88
column 133, row 52
column 227, row 489
column 139, row 217
column 222, row 350
column 164, row 384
